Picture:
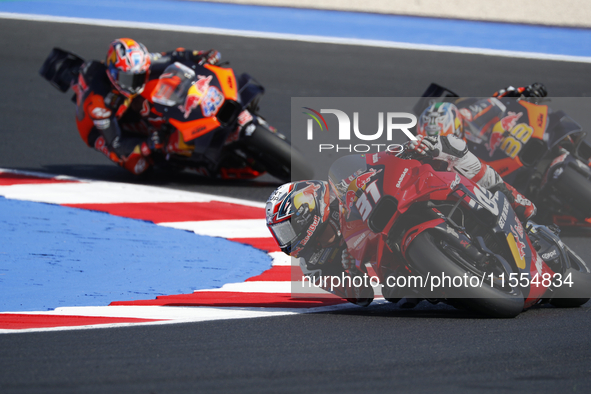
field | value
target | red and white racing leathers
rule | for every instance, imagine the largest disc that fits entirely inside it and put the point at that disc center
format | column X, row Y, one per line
column 455, row 153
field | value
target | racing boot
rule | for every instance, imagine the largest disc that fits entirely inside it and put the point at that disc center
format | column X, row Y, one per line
column 524, row 208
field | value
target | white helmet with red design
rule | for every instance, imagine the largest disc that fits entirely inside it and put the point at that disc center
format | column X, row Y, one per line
column 297, row 213
column 128, row 66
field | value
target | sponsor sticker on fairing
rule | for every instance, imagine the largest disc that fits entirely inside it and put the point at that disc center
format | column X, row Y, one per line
column 401, row 178
column 455, row 182
column 212, row 101
column 101, row 146
column 244, row 118
column 517, row 236
column 451, row 231
column 504, row 213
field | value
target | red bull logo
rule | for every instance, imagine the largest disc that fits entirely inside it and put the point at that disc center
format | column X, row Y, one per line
column 202, row 83
column 360, row 182
column 517, row 229
column 509, row 121
column 311, row 230
column 363, row 179
column 191, row 102
column 306, row 196
column 310, row 190
column 349, row 199
column 496, row 137
column 195, row 95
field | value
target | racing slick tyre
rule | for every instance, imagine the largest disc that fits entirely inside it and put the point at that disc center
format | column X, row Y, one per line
column 565, row 296
column 578, row 188
column 433, row 256
column 278, row 157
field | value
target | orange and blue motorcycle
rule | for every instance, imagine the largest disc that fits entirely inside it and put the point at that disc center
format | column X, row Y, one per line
column 539, row 151
column 209, row 119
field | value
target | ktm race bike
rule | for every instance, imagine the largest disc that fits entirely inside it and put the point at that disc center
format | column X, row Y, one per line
column 541, row 152
column 439, row 236
column 208, row 118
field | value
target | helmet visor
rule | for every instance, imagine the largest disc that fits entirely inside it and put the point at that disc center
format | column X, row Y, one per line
column 284, row 233
column 132, row 82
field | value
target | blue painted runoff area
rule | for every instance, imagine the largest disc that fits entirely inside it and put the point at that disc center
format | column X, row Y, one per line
column 404, row 29
column 53, row 256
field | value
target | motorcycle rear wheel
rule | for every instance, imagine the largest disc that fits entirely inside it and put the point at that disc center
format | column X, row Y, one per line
column 278, row 157
column 428, row 255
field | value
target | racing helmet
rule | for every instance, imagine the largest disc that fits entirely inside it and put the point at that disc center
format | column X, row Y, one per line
column 440, row 119
column 128, row 66
column 297, row 213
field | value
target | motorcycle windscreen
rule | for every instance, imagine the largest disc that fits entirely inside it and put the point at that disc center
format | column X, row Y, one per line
column 173, row 84
column 343, row 171
column 561, row 126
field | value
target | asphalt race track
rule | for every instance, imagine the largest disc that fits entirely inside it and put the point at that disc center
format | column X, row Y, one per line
column 430, row 348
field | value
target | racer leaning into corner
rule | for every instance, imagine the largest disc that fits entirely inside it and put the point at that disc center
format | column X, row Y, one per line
column 112, row 115
column 304, row 216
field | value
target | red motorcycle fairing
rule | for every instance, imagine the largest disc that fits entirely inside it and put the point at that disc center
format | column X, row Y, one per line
column 383, row 175
column 359, row 194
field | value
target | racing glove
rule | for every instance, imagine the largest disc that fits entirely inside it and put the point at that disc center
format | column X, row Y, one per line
column 201, row 57
column 534, row 90
column 454, row 151
column 426, row 145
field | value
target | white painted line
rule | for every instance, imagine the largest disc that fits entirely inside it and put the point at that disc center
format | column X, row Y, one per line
column 253, row 287
column 98, row 192
column 38, row 174
column 298, row 37
column 175, row 314
column 276, row 287
column 281, row 259
column 241, row 228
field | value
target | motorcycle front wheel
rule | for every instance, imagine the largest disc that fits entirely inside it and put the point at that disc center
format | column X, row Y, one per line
column 576, row 294
column 434, row 257
column 278, row 157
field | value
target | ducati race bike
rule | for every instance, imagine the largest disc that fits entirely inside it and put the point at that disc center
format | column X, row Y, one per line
column 439, row 236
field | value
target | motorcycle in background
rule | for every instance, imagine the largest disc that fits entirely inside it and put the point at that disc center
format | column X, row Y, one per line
column 541, row 152
column 210, row 119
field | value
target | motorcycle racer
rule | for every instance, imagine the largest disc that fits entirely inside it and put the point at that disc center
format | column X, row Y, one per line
column 454, row 152
column 304, row 218
column 113, row 112
column 473, row 119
